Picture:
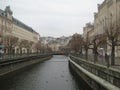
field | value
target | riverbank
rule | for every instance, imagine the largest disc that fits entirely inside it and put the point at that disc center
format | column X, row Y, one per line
column 24, row 63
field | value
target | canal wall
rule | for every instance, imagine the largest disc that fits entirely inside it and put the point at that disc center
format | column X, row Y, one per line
column 82, row 85
column 11, row 67
column 98, row 77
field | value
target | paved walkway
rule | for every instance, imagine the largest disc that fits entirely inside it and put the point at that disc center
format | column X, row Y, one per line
column 15, row 56
column 101, row 60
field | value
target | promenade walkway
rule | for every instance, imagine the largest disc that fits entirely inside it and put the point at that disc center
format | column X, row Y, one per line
column 7, row 57
column 101, row 60
column 9, row 64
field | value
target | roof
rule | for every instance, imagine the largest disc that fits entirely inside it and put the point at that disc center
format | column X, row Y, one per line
column 2, row 13
column 20, row 24
column 17, row 22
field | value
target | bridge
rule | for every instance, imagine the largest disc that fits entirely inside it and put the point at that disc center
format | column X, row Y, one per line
column 59, row 53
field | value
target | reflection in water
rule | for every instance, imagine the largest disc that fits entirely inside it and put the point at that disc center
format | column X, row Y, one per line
column 50, row 75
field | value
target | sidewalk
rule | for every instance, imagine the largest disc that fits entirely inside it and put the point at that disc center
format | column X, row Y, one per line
column 6, row 57
column 102, row 61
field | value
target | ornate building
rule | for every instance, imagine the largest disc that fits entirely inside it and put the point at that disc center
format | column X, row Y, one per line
column 106, row 24
column 16, row 37
column 107, row 20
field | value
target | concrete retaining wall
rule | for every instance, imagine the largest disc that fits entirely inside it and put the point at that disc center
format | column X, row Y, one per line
column 97, row 76
column 15, row 67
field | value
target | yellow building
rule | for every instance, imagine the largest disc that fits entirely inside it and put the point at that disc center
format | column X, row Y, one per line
column 88, row 32
column 107, row 17
column 88, row 35
column 24, row 32
column 5, row 26
column 16, row 36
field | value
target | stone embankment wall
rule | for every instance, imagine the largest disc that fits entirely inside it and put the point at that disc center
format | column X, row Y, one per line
column 97, row 76
column 10, row 67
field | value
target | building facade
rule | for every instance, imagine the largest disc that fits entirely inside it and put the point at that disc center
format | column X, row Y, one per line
column 107, row 17
column 88, row 35
column 88, row 32
column 15, row 35
column 56, row 44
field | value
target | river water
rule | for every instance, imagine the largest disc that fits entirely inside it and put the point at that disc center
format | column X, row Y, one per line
column 52, row 74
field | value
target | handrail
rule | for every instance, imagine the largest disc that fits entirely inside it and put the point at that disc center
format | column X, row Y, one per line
column 99, row 80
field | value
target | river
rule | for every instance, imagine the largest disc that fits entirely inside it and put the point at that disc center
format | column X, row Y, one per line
column 53, row 74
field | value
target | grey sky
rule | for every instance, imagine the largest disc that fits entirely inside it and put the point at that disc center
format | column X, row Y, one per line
column 53, row 17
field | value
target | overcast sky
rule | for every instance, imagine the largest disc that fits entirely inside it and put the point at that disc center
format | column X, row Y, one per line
column 53, row 17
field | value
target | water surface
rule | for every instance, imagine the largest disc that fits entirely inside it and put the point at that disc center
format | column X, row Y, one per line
column 52, row 74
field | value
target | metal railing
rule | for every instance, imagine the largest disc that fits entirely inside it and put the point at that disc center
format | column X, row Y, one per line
column 5, row 57
column 109, row 74
column 90, row 57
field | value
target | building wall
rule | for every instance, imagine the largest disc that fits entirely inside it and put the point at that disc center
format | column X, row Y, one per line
column 88, row 31
column 108, row 15
column 9, row 26
column 5, row 26
column 1, row 26
column 88, row 35
column 5, row 30
column 22, row 33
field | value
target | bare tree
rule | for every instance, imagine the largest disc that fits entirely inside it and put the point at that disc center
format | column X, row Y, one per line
column 113, row 35
column 97, row 41
column 38, row 46
column 29, row 46
column 76, row 43
column 10, row 43
column 86, row 48
column 23, row 44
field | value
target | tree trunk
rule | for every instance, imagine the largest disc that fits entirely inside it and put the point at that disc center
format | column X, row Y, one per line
column 20, row 50
column 86, row 54
column 95, row 53
column 113, row 54
column 80, row 51
column 9, row 50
